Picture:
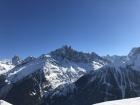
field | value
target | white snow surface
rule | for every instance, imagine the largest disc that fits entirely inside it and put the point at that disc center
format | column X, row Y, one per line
column 97, row 65
column 20, row 72
column 2, row 102
column 56, row 72
column 130, row 101
column 5, row 66
column 132, row 59
column 117, row 61
column 61, row 72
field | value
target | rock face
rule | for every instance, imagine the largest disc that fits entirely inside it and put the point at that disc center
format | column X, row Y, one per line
column 31, row 80
column 99, row 86
column 68, row 77
column 116, row 60
column 66, row 52
column 135, row 51
column 16, row 60
column 27, row 92
column 134, row 58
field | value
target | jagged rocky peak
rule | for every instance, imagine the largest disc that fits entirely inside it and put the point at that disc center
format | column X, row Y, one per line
column 44, row 56
column 67, row 52
column 28, row 59
column 134, row 58
column 16, row 60
column 135, row 51
column 63, row 52
column 98, row 86
column 115, row 58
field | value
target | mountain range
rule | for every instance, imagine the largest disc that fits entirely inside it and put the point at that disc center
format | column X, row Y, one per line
column 69, row 77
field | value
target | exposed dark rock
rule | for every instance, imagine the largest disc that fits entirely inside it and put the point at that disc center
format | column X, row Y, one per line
column 102, row 85
column 16, row 60
column 27, row 91
column 67, row 52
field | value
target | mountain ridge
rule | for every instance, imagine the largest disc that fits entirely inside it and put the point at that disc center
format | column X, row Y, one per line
column 62, row 66
column 70, row 76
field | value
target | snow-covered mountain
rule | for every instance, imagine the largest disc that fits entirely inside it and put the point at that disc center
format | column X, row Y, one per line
column 130, row 101
column 68, row 77
column 110, row 82
column 116, row 60
column 134, row 58
column 49, row 71
column 5, row 66
column 63, row 65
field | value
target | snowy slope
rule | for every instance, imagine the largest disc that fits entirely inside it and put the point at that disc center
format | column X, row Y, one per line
column 134, row 58
column 22, row 71
column 131, row 101
column 59, row 67
column 117, row 61
column 117, row 80
column 2, row 102
column 55, row 73
column 5, row 66
column 71, row 76
column 108, row 83
column 38, row 77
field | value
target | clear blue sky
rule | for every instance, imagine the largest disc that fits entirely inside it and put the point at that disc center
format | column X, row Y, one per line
column 33, row 27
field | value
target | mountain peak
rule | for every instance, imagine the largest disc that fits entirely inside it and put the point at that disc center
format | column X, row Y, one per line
column 64, row 49
column 16, row 60
column 67, row 52
column 134, row 51
column 134, row 58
